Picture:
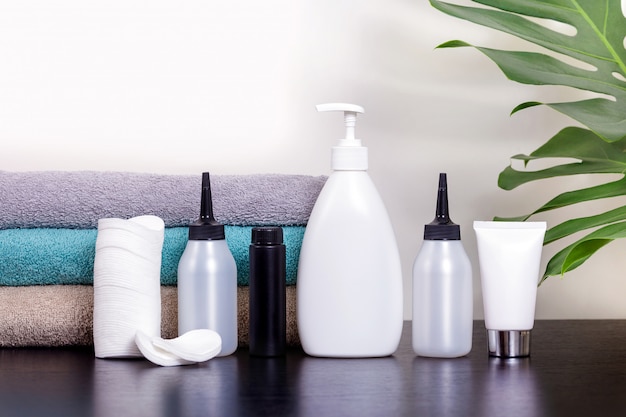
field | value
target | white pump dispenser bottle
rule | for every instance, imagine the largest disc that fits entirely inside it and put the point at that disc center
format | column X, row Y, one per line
column 349, row 292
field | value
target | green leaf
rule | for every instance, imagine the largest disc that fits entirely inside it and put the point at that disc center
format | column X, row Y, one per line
column 525, row 106
column 594, row 155
column 578, row 252
column 596, row 64
column 612, row 189
column 572, row 257
column 598, row 42
column 576, row 225
column 604, row 117
column 453, row 44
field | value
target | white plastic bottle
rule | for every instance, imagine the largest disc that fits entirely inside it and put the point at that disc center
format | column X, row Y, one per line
column 349, row 291
column 207, row 278
column 442, row 288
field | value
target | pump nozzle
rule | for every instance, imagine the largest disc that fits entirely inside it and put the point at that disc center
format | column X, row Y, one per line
column 442, row 228
column 348, row 154
column 349, row 116
column 206, row 227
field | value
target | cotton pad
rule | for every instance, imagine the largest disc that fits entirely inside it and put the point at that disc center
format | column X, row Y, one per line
column 197, row 345
column 155, row 354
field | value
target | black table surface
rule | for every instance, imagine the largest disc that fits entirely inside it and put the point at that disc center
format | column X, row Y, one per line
column 577, row 368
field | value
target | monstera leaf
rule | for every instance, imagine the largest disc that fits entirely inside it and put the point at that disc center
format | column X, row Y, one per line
column 597, row 65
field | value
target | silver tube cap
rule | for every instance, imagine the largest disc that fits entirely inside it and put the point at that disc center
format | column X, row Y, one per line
column 509, row 343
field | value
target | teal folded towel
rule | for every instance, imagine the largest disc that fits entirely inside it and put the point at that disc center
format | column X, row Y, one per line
column 65, row 256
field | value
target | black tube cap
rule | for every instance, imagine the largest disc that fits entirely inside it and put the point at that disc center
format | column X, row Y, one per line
column 267, row 235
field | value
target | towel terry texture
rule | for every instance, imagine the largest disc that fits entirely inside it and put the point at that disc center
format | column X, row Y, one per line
column 66, row 199
column 45, row 256
column 48, row 231
column 62, row 315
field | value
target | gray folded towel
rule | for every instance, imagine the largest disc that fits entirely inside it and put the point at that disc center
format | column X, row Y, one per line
column 77, row 199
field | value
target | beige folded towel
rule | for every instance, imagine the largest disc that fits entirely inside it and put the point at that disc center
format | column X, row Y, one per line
column 62, row 315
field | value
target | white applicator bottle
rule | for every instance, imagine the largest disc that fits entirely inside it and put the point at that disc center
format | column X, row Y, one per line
column 349, row 292
column 442, row 287
column 207, row 278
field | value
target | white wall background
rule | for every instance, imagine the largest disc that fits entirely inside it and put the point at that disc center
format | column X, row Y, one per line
column 230, row 87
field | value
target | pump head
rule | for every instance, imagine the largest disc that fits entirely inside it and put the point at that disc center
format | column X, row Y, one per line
column 442, row 228
column 349, row 117
column 206, row 227
column 348, row 155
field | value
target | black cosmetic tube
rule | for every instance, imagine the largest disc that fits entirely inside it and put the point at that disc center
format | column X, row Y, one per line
column 267, row 303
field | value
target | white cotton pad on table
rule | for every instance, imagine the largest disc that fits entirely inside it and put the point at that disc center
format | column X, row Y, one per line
column 196, row 345
column 157, row 355
column 192, row 347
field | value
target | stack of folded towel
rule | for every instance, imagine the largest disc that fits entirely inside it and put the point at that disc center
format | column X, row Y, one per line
column 48, row 230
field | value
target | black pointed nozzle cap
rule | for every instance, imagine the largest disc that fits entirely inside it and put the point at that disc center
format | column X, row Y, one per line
column 206, row 227
column 268, row 235
column 442, row 228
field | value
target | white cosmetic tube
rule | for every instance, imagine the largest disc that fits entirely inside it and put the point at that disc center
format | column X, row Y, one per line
column 510, row 256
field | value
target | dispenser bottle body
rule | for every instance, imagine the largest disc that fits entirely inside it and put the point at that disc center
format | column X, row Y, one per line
column 207, row 291
column 349, row 276
column 442, row 300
